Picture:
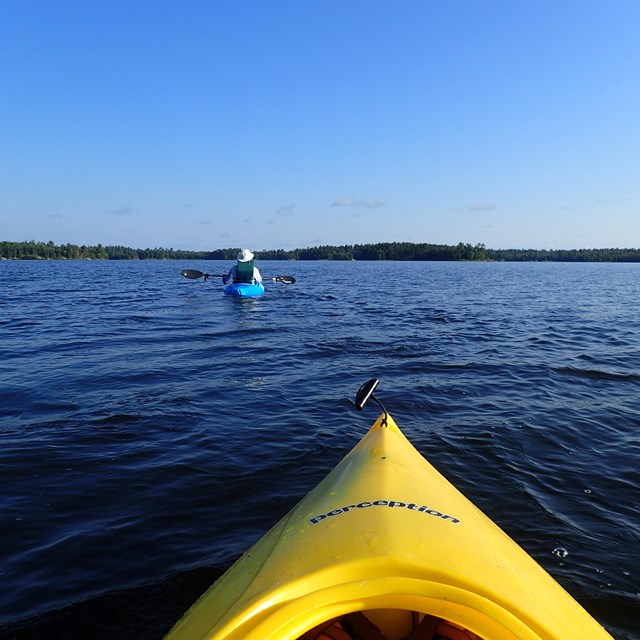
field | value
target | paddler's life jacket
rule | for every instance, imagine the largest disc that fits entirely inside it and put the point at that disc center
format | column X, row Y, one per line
column 244, row 272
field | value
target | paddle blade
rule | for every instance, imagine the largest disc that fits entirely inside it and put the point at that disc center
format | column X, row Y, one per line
column 191, row 274
column 365, row 392
column 285, row 279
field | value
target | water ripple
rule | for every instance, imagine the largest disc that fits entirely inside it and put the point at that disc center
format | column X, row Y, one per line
column 152, row 420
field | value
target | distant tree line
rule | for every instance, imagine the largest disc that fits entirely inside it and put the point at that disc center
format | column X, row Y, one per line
column 49, row 251
column 33, row 250
column 564, row 255
column 382, row 251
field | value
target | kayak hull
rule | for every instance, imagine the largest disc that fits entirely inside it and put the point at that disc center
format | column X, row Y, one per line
column 387, row 534
column 244, row 290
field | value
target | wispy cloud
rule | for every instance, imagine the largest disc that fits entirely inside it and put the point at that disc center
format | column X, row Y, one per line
column 369, row 203
column 55, row 215
column 286, row 210
column 481, row 206
column 122, row 211
column 606, row 202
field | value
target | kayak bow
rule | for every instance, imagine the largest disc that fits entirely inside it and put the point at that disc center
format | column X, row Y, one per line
column 386, row 534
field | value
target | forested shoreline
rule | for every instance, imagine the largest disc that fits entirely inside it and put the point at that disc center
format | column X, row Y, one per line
column 34, row 250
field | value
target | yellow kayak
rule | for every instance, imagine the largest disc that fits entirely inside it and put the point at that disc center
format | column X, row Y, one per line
column 386, row 548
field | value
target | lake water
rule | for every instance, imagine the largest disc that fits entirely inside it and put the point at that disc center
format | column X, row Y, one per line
column 151, row 428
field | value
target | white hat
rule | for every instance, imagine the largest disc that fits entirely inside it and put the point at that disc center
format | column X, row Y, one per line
column 244, row 256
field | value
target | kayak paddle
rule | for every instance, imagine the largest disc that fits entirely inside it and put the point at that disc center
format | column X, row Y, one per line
column 194, row 274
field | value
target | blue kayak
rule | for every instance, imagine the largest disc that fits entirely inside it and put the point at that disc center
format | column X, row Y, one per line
column 244, row 289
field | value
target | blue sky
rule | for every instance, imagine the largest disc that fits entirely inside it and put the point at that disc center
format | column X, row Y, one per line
column 294, row 123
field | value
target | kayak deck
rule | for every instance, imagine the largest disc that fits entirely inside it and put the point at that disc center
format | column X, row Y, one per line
column 386, row 534
column 244, row 289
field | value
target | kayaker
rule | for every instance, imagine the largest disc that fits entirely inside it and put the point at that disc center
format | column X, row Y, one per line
column 244, row 269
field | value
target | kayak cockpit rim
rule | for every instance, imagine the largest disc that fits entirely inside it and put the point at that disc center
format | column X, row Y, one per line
column 294, row 620
column 388, row 624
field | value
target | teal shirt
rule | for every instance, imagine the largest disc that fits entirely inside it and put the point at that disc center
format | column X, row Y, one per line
column 244, row 272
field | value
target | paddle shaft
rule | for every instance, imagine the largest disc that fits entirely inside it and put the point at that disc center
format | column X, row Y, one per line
column 194, row 274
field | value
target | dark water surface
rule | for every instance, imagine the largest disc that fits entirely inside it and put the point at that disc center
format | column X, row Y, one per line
column 151, row 428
